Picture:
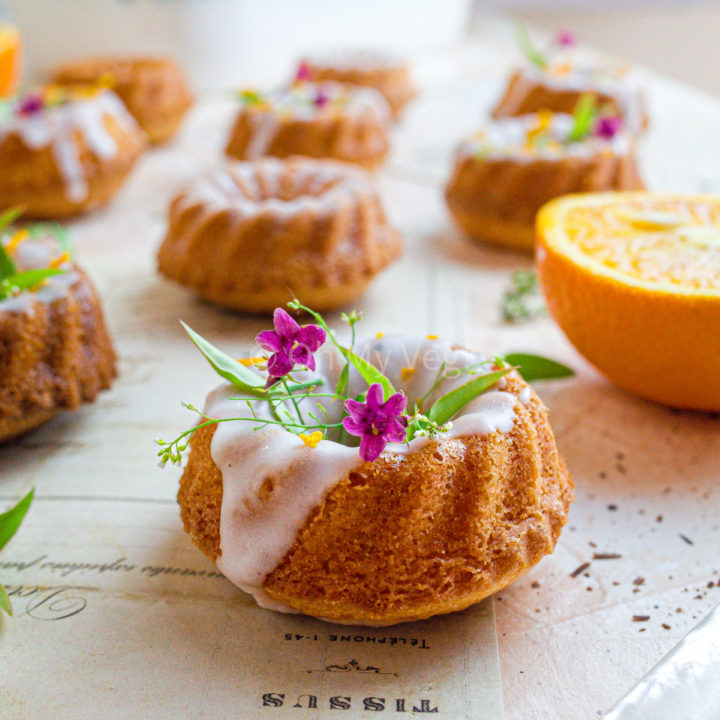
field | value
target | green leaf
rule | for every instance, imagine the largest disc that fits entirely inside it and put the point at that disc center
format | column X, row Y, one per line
column 525, row 43
column 7, row 266
column 10, row 216
column 369, row 372
column 536, row 367
column 584, row 117
column 11, row 519
column 445, row 407
column 5, row 603
column 341, row 386
column 224, row 365
column 30, row 278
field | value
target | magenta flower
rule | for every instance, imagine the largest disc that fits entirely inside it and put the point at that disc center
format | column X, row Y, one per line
column 376, row 422
column 565, row 38
column 289, row 344
column 303, row 74
column 30, row 105
column 321, row 98
column 608, row 127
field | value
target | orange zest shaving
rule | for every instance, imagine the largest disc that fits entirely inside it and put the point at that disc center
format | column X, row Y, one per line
column 18, row 237
column 59, row 260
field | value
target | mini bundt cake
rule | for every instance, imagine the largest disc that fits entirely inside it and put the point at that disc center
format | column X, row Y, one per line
column 320, row 120
column 557, row 80
column 253, row 235
column 55, row 352
column 384, row 72
column 505, row 174
column 63, row 152
column 431, row 526
column 154, row 89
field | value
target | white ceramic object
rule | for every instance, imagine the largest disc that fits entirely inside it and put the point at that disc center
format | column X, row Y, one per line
column 224, row 43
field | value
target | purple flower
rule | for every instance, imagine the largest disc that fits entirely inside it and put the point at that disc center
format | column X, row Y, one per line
column 375, row 421
column 303, row 74
column 565, row 38
column 289, row 344
column 321, row 98
column 608, row 127
column 30, row 105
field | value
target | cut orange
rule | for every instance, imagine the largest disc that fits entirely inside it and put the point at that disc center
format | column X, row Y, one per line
column 633, row 279
column 10, row 59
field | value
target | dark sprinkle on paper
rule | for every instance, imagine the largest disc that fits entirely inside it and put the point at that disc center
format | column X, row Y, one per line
column 606, row 556
column 579, row 570
column 641, row 618
column 686, row 539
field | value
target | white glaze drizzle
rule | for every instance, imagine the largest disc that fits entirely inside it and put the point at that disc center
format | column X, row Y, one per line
column 321, row 186
column 358, row 59
column 257, row 527
column 506, row 137
column 56, row 127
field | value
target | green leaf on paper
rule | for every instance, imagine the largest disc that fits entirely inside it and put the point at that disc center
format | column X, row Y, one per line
column 537, row 367
column 447, row 406
column 11, row 519
column 224, row 365
column 5, row 604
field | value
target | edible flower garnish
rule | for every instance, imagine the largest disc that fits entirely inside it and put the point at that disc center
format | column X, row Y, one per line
column 289, row 344
column 376, row 422
column 29, row 105
column 280, row 389
column 303, row 74
column 608, row 127
column 565, row 38
column 14, row 281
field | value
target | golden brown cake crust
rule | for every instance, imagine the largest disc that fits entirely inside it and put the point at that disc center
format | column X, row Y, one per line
column 390, row 80
column 154, row 89
column 405, row 538
column 244, row 254
column 31, row 178
column 525, row 95
column 495, row 200
column 53, row 357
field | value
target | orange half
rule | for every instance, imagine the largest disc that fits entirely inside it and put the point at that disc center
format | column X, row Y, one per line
column 10, row 59
column 633, row 279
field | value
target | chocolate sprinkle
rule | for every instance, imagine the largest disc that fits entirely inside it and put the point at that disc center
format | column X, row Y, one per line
column 606, row 556
column 579, row 570
column 638, row 580
column 641, row 618
column 686, row 539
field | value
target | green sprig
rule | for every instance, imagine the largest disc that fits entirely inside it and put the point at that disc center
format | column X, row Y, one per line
column 584, row 117
column 525, row 43
column 522, row 300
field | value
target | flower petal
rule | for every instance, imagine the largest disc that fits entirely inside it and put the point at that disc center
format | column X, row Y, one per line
column 352, row 426
column 395, row 405
column 268, row 340
column 395, row 431
column 279, row 365
column 311, row 336
column 371, row 446
column 374, row 397
column 354, row 408
column 285, row 326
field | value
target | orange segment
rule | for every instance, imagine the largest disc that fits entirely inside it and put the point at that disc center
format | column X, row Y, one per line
column 10, row 59
column 633, row 279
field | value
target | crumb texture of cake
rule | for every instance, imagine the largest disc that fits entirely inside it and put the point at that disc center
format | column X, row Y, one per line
column 55, row 350
column 154, row 89
column 254, row 235
column 429, row 527
column 64, row 153
column 320, row 120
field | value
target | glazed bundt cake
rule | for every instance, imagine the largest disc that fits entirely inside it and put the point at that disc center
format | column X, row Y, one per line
column 556, row 80
column 505, row 174
column 63, row 152
column 55, row 352
column 154, row 89
column 256, row 234
column 430, row 526
column 384, row 72
column 320, row 120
